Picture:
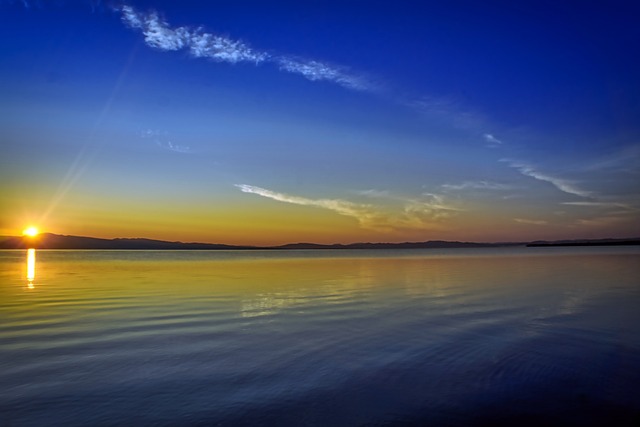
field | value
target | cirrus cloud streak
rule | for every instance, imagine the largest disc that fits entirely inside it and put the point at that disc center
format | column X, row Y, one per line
column 160, row 35
column 561, row 184
column 413, row 213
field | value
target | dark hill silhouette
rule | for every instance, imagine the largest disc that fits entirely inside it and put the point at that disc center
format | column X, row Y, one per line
column 57, row 241
column 433, row 244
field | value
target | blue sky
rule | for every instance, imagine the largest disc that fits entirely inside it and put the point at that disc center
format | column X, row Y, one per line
column 272, row 122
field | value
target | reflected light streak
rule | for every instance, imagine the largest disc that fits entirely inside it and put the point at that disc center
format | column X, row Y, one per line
column 31, row 267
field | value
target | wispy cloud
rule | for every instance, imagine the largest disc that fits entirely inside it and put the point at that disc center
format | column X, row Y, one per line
column 624, row 159
column 413, row 213
column 491, row 140
column 316, row 70
column 160, row 35
column 421, row 213
column 476, row 185
column 174, row 147
column 612, row 208
column 340, row 206
column 530, row 221
column 561, row 184
column 597, row 204
column 600, row 222
column 434, row 202
column 161, row 139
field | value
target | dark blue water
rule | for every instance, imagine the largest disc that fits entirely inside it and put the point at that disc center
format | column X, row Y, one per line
column 525, row 336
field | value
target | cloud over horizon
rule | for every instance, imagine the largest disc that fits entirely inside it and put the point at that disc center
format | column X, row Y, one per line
column 561, row 184
column 413, row 214
column 477, row 185
column 530, row 221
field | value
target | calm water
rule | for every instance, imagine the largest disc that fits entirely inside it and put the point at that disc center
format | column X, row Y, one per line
column 525, row 336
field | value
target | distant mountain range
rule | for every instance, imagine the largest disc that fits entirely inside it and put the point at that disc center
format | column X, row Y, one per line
column 56, row 241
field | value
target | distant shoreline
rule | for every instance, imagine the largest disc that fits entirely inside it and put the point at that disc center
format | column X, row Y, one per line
column 56, row 241
column 616, row 243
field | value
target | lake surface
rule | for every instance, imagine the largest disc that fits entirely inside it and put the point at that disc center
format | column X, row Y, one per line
column 457, row 337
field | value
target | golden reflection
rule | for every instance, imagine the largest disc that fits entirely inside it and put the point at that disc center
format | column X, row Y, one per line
column 31, row 267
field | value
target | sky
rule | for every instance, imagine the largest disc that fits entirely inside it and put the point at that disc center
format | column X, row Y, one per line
column 263, row 123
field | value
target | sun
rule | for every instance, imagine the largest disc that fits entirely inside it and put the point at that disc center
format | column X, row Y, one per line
column 30, row 231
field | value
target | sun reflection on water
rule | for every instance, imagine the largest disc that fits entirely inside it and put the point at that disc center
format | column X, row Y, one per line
column 31, row 267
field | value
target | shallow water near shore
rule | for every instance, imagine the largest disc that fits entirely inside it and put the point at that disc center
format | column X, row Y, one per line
column 456, row 337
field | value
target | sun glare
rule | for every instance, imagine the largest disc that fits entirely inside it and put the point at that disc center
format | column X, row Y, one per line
column 30, row 231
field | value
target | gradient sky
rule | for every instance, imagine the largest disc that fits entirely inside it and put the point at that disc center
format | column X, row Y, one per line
column 255, row 122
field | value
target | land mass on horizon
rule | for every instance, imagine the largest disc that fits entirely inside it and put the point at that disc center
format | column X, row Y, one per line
column 57, row 241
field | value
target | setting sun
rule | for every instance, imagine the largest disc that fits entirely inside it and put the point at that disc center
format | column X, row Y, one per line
column 30, row 231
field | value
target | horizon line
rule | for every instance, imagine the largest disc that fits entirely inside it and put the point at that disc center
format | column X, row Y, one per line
column 34, row 239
